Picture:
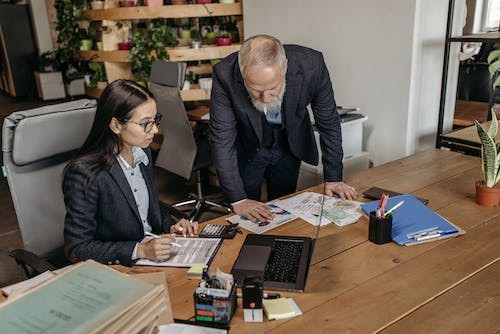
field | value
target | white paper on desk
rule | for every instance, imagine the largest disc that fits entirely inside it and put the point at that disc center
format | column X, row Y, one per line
column 307, row 206
column 188, row 329
column 281, row 216
column 193, row 251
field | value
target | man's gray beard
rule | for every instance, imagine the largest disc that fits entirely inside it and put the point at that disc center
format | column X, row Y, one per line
column 276, row 102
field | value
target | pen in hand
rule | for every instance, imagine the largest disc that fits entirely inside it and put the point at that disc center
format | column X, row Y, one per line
column 157, row 236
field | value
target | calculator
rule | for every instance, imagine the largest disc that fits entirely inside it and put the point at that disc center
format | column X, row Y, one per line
column 219, row 231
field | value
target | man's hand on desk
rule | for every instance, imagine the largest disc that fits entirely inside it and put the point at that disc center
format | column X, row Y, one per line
column 253, row 210
column 343, row 190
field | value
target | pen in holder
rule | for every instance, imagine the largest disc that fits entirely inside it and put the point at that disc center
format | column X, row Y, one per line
column 380, row 229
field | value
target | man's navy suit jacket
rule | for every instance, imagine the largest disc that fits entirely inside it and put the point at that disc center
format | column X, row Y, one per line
column 236, row 125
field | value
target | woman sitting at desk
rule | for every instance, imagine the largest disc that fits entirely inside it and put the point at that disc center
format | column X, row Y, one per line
column 110, row 198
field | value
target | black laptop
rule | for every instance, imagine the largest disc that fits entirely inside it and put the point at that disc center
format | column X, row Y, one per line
column 282, row 261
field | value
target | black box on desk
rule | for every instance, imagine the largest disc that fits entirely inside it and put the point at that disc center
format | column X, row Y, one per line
column 213, row 306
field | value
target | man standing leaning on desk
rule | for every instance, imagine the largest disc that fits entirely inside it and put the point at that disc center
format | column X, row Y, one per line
column 260, row 126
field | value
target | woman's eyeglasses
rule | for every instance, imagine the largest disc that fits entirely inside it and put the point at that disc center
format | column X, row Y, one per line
column 148, row 126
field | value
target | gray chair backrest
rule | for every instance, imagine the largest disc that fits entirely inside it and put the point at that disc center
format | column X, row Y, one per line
column 178, row 150
column 36, row 145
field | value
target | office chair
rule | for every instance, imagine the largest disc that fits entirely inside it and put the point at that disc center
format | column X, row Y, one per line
column 181, row 153
column 36, row 145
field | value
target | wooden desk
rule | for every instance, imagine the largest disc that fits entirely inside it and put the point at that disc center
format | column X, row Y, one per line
column 355, row 286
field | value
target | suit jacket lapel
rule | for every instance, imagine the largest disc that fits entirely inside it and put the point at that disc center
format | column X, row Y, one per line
column 253, row 114
column 117, row 174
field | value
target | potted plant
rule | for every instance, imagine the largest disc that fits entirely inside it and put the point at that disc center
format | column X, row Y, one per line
column 97, row 4
column 224, row 39
column 48, row 77
column 123, row 29
column 190, row 78
column 195, row 42
column 148, row 45
column 98, row 77
column 487, row 190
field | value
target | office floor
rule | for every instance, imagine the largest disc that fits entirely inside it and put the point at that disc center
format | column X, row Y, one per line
column 171, row 189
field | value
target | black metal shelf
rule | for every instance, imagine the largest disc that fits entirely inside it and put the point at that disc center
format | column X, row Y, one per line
column 486, row 37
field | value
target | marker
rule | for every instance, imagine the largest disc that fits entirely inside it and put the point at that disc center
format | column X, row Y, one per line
column 394, row 208
column 157, row 236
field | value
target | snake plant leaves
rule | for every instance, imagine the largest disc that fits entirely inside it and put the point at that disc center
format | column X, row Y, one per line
column 490, row 156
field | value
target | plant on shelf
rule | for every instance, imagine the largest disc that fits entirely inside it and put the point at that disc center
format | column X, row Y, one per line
column 487, row 191
column 70, row 34
column 98, row 77
column 148, row 45
column 48, row 61
column 223, row 39
column 195, row 42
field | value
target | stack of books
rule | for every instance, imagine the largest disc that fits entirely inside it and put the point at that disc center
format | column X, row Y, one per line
column 88, row 298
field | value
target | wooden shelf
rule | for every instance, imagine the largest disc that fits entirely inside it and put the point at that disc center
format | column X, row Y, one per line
column 117, row 56
column 170, row 11
column 175, row 54
column 195, row 94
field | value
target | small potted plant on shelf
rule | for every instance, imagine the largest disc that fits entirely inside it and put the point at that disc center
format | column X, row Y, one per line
column 126, row 3
column 195, row 42
column 97, row 4
column 487, row 190
column 190, row 78
column 224, row 39
column 49, row 79
column 123, row 29
column 98, row 77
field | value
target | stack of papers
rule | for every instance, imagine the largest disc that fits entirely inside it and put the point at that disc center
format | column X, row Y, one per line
column 280, row 308
column 307, row 205
column 88, row 298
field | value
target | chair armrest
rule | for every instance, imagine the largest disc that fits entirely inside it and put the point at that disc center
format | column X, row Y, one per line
column 31, row 263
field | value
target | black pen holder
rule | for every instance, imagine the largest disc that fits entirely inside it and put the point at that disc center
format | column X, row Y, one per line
column 211, row 308
column 380, row 229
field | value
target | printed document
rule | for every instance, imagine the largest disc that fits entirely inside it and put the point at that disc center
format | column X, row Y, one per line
column 307, row 205
column 281, row 217
column 191, row 251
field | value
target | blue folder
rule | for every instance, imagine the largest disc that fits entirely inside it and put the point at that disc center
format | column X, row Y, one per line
column 413, row 222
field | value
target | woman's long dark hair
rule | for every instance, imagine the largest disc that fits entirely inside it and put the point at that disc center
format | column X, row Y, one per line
column 118, row 100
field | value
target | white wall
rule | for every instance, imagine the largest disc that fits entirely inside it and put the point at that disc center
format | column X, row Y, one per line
column 384, row 56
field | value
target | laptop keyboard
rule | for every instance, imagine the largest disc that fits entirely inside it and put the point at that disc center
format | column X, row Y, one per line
column 283, row 263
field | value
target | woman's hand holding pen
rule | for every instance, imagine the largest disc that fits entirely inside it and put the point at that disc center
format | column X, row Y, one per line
column 345, row 191
column 185, row 228
column 158, row 248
